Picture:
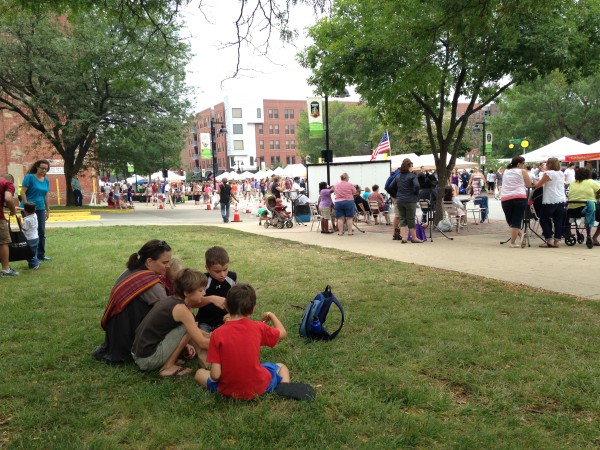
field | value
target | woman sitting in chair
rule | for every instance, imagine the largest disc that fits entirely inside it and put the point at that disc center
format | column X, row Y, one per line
column 582, row 191
column 362, row 205
column 383, row 207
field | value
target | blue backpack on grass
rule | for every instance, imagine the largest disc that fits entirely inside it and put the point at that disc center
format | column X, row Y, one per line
column 315, row 315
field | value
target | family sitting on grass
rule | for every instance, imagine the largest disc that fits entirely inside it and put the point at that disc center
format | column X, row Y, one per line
column 158, row 331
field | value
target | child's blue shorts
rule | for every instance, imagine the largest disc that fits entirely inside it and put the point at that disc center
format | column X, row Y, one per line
column 273, row 368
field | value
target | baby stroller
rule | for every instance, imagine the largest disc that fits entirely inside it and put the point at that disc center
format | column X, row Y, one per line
column 277, row 215
column 583, row 210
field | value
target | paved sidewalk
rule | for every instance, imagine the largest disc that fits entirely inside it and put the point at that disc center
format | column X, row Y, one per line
column 477, row 251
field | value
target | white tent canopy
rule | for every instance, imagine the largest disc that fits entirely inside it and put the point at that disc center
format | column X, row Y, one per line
column 294, row 170
column 171, row 176
column 136, row 179
column 591, row 153
column 228, row 175
column 557, row 149
column 424, row 160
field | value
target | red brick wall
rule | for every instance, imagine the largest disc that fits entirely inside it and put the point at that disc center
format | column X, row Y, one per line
column 20, row 147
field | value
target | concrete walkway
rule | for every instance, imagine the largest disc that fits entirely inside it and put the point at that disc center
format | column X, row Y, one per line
column 477, row 251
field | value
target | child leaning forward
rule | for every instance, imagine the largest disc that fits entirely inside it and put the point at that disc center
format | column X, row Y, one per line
column 168, row 328
column 234, row 350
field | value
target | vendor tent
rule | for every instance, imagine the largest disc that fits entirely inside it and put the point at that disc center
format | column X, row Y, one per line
column 591, row 153
column 171, row 176
column 136, row 179
column 560, row 149
column 294, row 170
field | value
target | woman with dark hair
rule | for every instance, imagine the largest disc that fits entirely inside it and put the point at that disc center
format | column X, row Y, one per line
column 35, row 188
column 326, row 207
column 515, row 182
column 133, row 295
column 407, row 193
column 552, row 214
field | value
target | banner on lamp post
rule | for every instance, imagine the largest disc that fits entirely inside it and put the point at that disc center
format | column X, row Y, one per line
column 315, row 118
column 488, row 143
column 205, row 150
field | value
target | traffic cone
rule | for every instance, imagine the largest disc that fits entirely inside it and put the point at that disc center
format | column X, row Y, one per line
column 208, row 207
column 236, row 214
column 248, row 210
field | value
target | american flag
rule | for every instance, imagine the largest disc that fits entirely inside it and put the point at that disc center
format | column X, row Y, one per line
column 383, row 147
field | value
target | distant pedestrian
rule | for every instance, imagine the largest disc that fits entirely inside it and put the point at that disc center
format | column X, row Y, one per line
column 77, row 195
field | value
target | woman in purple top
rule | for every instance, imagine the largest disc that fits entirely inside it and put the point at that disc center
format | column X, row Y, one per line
column 325, row 207
column 344, row 203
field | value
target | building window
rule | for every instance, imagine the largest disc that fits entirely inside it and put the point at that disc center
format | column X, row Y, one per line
column 252, row 160
column 261, row 145
column 260, row 129
column 238, row 145
column 270, row 129
column 291, row 113
column 293, row 160
column 292, row 129
column 287, row 144
column 287, row 160
column 293, row 144
column 277, row 145
column 276, row 129
column 270, row 114
column 288, row 114
column 272, row 161
column 258, row 113
column 271, row 145
column 276, row 114
column 287, row 129
column 238, row 128
column 236, row 113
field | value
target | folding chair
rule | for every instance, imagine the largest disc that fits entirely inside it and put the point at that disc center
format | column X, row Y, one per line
column 315, row 216
column 479, row 209
column 451, row 211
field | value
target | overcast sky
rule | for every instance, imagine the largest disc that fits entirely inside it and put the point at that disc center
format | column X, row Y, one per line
column 277, row 75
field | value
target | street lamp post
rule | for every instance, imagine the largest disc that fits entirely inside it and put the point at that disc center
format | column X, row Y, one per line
column 238, row 166
column 213, row 148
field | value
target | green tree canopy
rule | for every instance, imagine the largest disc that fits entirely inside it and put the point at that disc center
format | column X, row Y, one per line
column 547, row 109
column 414, row 60
column 78, row 79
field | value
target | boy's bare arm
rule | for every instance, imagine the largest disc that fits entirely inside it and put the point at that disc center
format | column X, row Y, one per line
column 215, row 371
column 182, row 314
column 216, row 300
column 276, row 323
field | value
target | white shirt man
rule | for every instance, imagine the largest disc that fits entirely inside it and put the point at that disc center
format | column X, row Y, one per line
column 570, row 173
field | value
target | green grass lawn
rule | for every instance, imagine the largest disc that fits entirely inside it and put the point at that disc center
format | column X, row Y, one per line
column 427, row 358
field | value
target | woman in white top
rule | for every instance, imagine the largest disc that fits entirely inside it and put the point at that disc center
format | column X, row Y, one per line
column 553, row 211
column 515, row 182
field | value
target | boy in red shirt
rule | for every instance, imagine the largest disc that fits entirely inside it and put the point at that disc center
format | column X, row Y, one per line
column 234, row 350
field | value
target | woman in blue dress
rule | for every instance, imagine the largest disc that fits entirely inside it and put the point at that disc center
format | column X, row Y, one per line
column 35, row 188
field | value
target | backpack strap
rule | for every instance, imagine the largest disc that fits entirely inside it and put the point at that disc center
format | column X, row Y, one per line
column 341, row 308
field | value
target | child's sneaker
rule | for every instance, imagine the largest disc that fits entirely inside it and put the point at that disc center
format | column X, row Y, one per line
column 9, row 273
column 35, row 267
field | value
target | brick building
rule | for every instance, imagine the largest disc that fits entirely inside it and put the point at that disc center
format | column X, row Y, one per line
column 21, row 146
column 258, row 134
